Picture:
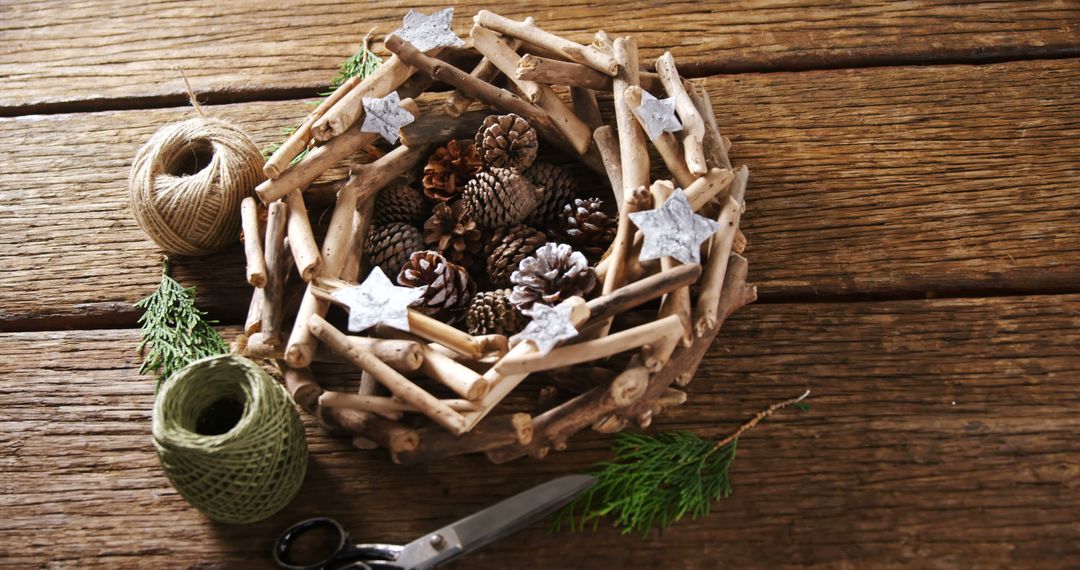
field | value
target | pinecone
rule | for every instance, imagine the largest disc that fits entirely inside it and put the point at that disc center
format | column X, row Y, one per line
column 491, row 313
column 557, row 188
column 453, row 232
column 400, row 203
column 449, row 287
column 499, row 197
column 587, row 228
column 555, row 272
column 389, row 246
column 509, row 247
column 448, row 169
column 506, row 141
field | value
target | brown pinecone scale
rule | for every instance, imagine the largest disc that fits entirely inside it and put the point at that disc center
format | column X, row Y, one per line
column 389, row 246
column 400, row 203
column 499, row 197
column 509, row 247
column 554, row 273
column 492, row 313
column 452, row 232
column 448, row 169
column 507, row 141
column 556, row 188
column 586, row 227
column 449, row 287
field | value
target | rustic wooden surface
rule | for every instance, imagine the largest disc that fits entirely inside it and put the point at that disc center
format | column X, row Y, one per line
column 906, row 150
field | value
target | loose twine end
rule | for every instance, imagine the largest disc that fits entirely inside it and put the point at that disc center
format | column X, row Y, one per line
column 191, row 93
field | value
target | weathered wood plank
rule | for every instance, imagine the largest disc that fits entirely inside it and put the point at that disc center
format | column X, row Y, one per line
column 103, row 53
column 887, row 181
column 942, row 433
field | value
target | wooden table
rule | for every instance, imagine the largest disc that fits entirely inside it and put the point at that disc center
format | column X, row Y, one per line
column 914, row 230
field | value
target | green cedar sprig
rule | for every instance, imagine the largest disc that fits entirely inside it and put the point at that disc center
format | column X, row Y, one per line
column 174, row 329
column 656, row 480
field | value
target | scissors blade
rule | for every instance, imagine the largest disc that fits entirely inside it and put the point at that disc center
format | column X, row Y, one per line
column 494, row 522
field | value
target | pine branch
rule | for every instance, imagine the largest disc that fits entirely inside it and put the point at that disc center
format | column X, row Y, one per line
column 656, row 480
column 175, row 331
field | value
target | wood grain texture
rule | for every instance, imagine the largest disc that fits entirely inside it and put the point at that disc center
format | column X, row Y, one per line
column 938, row 179
column 942, row 434
column 108, row 53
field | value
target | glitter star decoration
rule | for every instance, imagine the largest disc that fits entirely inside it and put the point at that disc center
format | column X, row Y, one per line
column 385, row 116
column 429, row 32
column 658, row 115
column 549, row 326
column 378, row 301
column 674, row 230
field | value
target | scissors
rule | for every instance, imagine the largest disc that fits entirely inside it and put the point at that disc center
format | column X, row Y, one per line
column 443, row 545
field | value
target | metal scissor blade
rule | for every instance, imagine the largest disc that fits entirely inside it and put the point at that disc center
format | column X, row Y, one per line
column 494, row 522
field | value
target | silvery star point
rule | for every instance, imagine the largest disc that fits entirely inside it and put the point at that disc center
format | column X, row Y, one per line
column 378, row 301
column 385, row 116
column 549, row 326
column 426, row 33
column 674, row 230
column 658, row 115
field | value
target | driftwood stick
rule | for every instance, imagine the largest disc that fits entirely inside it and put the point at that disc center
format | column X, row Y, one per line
column 554, row 427
column 303, row 388
column 322, row 158
column 384, row 80
column 555, row 72
column 464, row 381
column 400, row 386
column 300, row 138
column 666, row 144
column 719, row 252
column 635, row 157
column 574, row 130
column 389, row 434
column 676, row 302
column 301, row 238
column 708, row 187
column 530, row 33
column 495, row 432
column 253, row 321
column 693, row 133
column 651, row 333
column 586, row 107
column 437, row 129
column 437, row 331
column 402, row 355
column 382, row 405
column 276, row 260
column 716, row 149
column 256, row 262
column 502, row 384
column 458, row 101
column 607, row 143
column 643, row 291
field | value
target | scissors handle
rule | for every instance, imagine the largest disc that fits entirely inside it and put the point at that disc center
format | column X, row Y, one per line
column 344, row 555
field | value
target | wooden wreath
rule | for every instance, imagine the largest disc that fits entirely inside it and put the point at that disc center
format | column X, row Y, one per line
column 480, row 370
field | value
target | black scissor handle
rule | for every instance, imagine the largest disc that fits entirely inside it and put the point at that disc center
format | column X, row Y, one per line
column 284, row 543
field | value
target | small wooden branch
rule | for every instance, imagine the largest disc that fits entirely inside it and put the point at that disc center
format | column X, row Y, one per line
column 437, row 129
column 301, row 238
column 495, row 432
column 464, row 381
column 276, row 261
column 607, row 143
column 400, row 386
column 389, row 434
column 402, row 355
column 458, row 101
column 303, row 388
column 322, row 158
column 380, row 83
column 253, row 321
column 677, row 302
column 708, row 187
column 693, row 133
column 499, row 53
column 256, row 264
column 586, row 107
column 300, row 138
column 635, row 157
column 716, row 149
column 667, row 145
column 530, row 33
column 719, row 252
column 643, row 291
column 555, row 72
column 437, row 331
column 386, row 407
column 652, row 333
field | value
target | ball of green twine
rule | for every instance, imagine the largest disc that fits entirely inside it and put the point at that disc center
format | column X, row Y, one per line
column 230, row 439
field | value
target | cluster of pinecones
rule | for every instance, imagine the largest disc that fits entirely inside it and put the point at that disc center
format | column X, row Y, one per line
column 488, row 213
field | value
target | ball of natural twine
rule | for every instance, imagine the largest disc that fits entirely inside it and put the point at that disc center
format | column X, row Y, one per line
column 230, row 439
column 187, row 182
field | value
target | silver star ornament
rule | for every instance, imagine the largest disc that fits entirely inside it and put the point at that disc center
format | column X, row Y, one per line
column 385, row 116
column 549, row 326
column 658, row 115
column 378, row 301
column 674, row 230
column 429, row 32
